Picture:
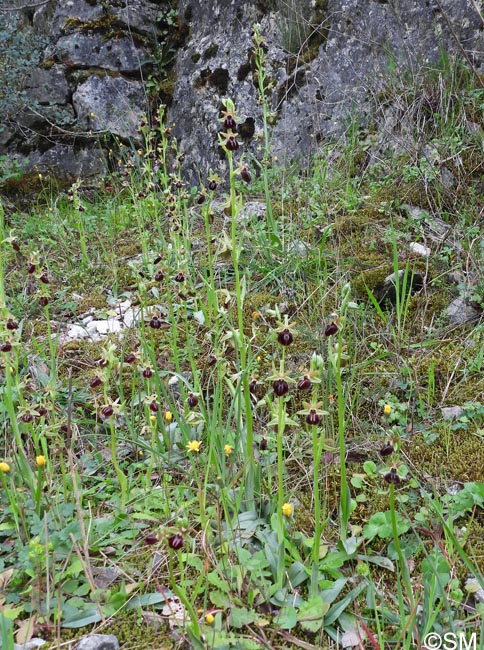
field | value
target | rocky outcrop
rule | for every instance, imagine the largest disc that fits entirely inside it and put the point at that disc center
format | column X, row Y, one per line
column 90, row 84
column 349, row 53
column 327, row 61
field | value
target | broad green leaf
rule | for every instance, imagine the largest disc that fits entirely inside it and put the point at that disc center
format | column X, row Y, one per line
column 357, row 481
column 287, row 618
column 148, row 600
column 338, row 608
column 370, row 467
column 220, row 599
column 240, row 616
column 380, row 525
column 311, row 614
column 379, row 560
column 83, row 618
column 297, row 574
column 334, row 560
column 11, row 612
column 351, row 544
column 215, row 580
column 329, row 595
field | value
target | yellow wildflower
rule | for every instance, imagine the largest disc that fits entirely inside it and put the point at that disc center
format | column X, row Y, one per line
column 40, row 460
column 194, row 445
column 210, row 618
column 228, row 450
column 4, row 467
column 287, row 509
column 387, row 409
column 168, row 416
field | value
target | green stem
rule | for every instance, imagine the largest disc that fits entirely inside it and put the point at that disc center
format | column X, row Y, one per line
column 398, row 548
column 249, row 433
column 280, row 467
column 344, row 500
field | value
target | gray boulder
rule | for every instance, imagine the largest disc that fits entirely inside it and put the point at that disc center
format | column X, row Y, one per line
column 95, row 51
column 111, row 104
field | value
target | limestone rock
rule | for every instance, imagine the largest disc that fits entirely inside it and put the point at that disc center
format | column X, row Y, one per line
column 66, row 162
column 98, row 642
column 314, row 96
column 33, row 644
column 419, row 249
column 326, row 62
column 48, row 86
column 451, row 412
column 94, row 50
column 111, row 104
column 415, row 282
column 460, row 312
column 252, row 210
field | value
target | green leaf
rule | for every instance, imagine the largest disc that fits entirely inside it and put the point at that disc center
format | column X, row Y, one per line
column 220, row 599
column 215, row 580
column 329, row 595
column 379, row 560
column 241, row 616
column 83, row 618
column 369, row 467
column 351, row 544
column 149, row 600
column 10, row 612
column 334, row 560
column 311, row 614
column 338, row 608
column 297, row 574
column 357, row 481
column 287, row 618
column 380, row 525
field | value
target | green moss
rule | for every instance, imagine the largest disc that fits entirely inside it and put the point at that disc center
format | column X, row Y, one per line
column 166, row 89
column 106, row 24
column 374, row 279
column 131, row 631
column 94, row 300
column 455, row 456
column 195, row 57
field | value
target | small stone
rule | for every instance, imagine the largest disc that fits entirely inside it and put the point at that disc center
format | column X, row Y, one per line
column 153, row 620
column 131, row 316
column 104, row 576
column 252, row 210
column 298, row 248
column 475, row 588
column 123, row 306
column 109, row 326
column 419, row 249
column 415, row 282
column 174, row 383
column 451, row 412
column 33, row 644
column 454, row 489
column 98, row 642
column 76, row 332
column 460, row 312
